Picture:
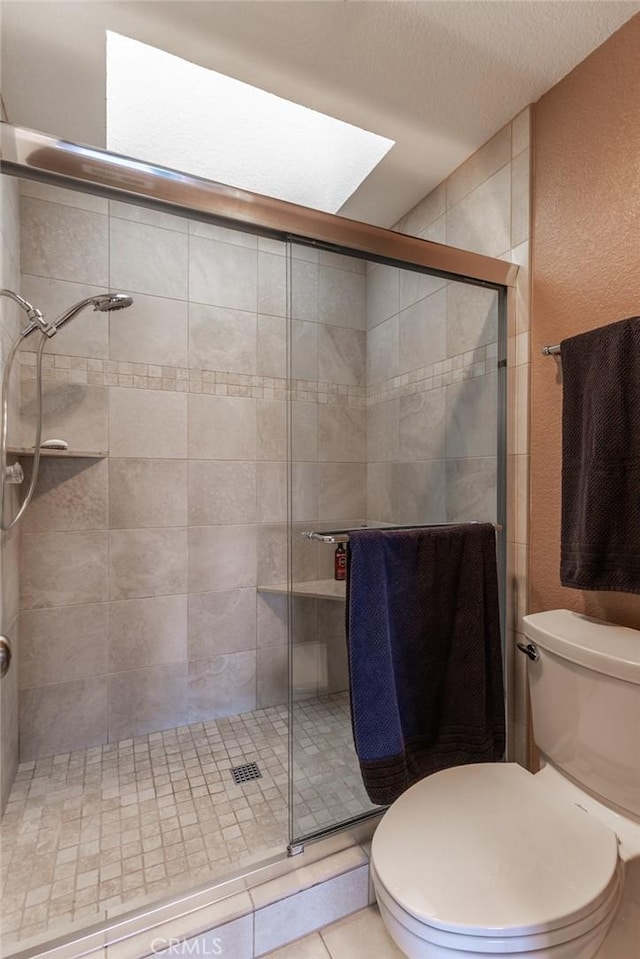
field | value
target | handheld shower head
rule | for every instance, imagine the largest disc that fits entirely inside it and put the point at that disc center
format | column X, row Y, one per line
column 104, row 303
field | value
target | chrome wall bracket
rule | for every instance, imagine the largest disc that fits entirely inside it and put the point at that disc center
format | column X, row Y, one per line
column 5, row 656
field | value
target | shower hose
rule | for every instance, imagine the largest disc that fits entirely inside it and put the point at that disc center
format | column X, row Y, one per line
column 4, row 432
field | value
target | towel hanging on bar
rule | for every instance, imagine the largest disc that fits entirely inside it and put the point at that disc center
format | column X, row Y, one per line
column 342, row 535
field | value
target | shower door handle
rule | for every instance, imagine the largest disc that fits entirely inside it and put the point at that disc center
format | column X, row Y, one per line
column 5, row 656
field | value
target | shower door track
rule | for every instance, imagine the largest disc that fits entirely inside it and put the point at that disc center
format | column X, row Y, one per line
column 27, row 153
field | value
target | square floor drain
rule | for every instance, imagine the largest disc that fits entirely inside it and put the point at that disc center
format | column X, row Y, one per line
column 244, row 774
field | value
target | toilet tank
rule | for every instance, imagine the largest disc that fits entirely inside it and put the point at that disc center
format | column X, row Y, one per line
column 585, row 703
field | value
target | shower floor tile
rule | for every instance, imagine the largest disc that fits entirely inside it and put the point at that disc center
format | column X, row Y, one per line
column 93, row 832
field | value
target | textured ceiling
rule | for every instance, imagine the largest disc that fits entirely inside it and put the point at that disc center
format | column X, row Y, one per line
column 439, row 78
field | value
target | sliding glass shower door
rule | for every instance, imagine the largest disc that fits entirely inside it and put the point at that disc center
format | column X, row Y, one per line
column 395, row 420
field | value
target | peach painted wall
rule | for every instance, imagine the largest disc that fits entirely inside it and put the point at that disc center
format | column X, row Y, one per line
column 586, row 271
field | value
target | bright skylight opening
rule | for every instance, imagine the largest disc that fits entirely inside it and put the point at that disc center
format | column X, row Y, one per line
column 168, row 111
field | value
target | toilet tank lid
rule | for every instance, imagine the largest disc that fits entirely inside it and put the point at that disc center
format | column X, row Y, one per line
column 592, row 643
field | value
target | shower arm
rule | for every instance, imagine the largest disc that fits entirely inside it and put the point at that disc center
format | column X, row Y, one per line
column 38, row 321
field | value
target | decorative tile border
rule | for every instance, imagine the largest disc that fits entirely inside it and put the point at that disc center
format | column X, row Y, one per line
column 142, row 376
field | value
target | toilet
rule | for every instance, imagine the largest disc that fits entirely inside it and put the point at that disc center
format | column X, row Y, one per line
column 490, row 860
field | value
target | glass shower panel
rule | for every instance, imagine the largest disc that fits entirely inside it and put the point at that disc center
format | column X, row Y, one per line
column 153, row 699
column 395, row 421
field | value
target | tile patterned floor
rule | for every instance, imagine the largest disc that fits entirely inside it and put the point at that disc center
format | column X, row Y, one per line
column 88, row 834
column 360, row 936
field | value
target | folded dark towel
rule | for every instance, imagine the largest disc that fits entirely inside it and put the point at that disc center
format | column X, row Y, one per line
column 600, row 542
column 425, row 659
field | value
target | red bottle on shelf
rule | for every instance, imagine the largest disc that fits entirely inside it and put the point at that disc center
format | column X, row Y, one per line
column 340, row 562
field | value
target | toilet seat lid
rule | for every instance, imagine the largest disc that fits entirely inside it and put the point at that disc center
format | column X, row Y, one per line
column 487, row 849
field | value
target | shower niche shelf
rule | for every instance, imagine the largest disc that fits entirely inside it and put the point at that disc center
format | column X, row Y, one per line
column 65, row 454
column 331, row 589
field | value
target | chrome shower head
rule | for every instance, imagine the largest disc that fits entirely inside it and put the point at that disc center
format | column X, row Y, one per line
column 111, row 301
column 104, row 303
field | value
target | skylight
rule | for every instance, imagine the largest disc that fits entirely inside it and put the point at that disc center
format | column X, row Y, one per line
column 168, row 111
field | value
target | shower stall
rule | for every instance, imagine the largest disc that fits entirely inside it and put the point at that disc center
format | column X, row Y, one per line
column 176, row 711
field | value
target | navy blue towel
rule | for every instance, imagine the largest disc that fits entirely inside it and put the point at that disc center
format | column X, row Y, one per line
column 425, row 659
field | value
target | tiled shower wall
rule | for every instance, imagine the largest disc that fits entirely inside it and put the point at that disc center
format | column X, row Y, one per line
column 10, row 324
column 431, row 432
column 484, row 206
column 139, row 570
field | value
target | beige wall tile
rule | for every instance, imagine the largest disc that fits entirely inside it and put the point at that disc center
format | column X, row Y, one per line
column 86, row 335
column 481, row 221
column 471, row 417
column 147, row 562
column 272, row 677
column 383, row 426
column 341, row 434
column 153, row 330
column 272, row 554
column 419, row 492
column 424, row 213
column 222, row 274
column 416, row 286
column 222, row 427
column 70, row 494
column 342, row 298
column 341, row 355
column 342, row 491
column 146, row 700
column 236, row 237
column 147, row 492
column 62, row 717
column 63, row 242
column 383, row 360
column 304, row 349
column 422, row 425
column 221, row 622
column 472, row 317
column 272, row 284
column 222, row 339
column 63, row 644
column 272, row 619
column 71, row 411
column 271, row 418
column 380, row 492
column 221, row 493
column 342, row 262
column 56, row 194
column 147, row 423
column 486, row 161
column 143, row 214
column 304, row 290
column 383, row 294
column 147, row 632
column 221, row 557
column 272, row 346
column 63, row 569
column 304, row 431
column 304, row 491
column 423, row 332
column 472, row 490
column 272, row 480
column 148, row 259
column 222, row 686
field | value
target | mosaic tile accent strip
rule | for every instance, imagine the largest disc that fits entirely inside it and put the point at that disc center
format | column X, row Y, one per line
column 99, row 830
column 143, row 376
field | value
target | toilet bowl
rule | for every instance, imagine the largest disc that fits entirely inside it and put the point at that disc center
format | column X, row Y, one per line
column 490, row 860
column 483, row 860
